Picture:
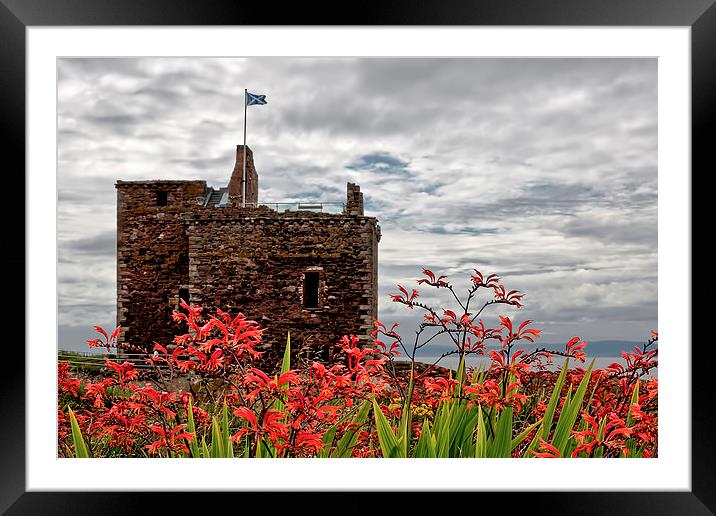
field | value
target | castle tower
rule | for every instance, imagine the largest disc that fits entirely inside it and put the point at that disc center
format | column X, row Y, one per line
column 308, row 268
column 236, row 187
column 152, row 256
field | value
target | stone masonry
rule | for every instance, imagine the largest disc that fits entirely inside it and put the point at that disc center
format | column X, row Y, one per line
column 312, row 273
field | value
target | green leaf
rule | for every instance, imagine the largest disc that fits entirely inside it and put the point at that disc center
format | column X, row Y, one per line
column 569, row 414
column 479, row 376
column 285, row 367
column 462, row 425
column 191, row 427
column 286, row 362
column 77, row 439
column 247, row 446
column 327, row 442
column 442, row 430
column 634, row 401
column 523, row 435
column 460, row 375
column 424, row 447
column 345, row 445
column 481, row 444
column 217, row 445
column 404, row 430
column 264, row 449
column 553, row 400
column 386, row 437
column 464, row 443
column 228, row 444
column 503, row 434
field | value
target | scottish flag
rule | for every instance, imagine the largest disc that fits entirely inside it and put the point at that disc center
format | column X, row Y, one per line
column 252, row 99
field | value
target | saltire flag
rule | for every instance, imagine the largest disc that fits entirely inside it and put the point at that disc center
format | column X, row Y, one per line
column 253, row 99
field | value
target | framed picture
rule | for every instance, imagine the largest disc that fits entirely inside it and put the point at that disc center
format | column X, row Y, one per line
column 397, row 74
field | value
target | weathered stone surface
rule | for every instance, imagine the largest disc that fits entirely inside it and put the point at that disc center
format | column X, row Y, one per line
column 253, row 260
column 236, row 188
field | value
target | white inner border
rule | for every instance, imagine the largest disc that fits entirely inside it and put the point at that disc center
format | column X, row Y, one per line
column 670, row 471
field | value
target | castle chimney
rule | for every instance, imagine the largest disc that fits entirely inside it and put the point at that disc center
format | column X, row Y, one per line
column 236, row 187
column 354, row 205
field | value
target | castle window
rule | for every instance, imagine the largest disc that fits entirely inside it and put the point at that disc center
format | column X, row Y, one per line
column 161, row 198
column 310, row 289
column 184, row 295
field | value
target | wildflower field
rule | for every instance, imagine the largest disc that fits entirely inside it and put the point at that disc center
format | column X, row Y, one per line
column 375, row 400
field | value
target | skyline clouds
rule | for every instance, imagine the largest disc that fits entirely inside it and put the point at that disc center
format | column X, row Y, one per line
column 543, row 171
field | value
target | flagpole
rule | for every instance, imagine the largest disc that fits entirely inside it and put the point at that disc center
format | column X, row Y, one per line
column 243, row 177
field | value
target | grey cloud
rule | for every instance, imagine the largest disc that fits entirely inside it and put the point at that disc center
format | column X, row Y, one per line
column 101, row 244
column 380, row 162
column 628, row 229
column 202, row 164
column 89, row 66
column 542, row 170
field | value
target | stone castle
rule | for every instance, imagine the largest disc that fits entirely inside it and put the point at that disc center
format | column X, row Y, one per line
column 307, row 268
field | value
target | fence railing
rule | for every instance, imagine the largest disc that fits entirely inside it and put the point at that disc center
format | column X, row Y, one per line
column 83, row 360
column 321, row 207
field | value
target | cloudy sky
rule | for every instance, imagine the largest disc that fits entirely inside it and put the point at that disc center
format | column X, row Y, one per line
column 543, row 171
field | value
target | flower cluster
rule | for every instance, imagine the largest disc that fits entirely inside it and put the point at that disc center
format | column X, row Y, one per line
column 324, row 409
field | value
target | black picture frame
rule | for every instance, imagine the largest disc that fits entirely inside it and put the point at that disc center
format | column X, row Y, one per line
column 17, row 15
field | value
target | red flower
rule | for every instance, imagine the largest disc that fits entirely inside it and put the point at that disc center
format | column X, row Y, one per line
column 548, row 451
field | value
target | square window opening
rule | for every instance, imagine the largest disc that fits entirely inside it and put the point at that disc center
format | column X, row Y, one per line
column 162, row 198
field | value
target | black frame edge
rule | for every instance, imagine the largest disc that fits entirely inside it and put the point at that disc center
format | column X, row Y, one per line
column 699, row 14
column 703, row 114
column 12, row 143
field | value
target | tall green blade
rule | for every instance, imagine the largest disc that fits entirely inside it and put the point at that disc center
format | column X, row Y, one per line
column 327, row 442
column 460, row 420
column 479, row 376
column 217, row 445
column 481, row 444
column 552, row 405
column 77, row 439
column 285, row 367
column 634, row 401
column 465, row 443
column 228, row 444
column 345, row 445
column 286, row 362
column 460, row 375
column 386, row 437
column 424, row 448
column 523, row 435
column 404, row 430
column 630, row 443
column 191, row 427
column 441, row 428
column 503, row 434
column 569, row 414
column 247, row 446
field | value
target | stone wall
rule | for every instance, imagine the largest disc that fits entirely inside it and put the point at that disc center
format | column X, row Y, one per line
column 152, row 256
column 254, row 261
